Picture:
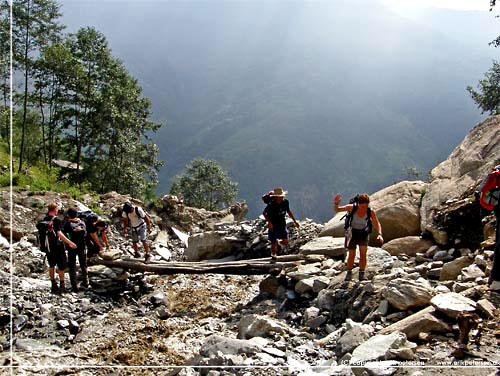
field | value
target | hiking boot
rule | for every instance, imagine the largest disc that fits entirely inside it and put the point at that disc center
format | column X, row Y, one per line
column 53, row 287
column 72, row 278
column 147, row 259
column 85, row 280
column 273, row 259
column 362, row 276
column 62, row 287
column 348, row 276
column 137, row 254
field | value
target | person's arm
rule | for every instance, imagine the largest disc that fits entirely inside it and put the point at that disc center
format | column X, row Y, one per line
column 290, row 214
column 104, row 237
column 95, row 238
column 267, row 219
column 63, row 237
column 378, row 227
column 125, row 225
column 338, row 208
column 148, row 222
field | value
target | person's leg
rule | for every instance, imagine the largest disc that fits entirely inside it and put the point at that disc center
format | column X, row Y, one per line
column 495, row 270
column 72, row 269
column 362, row 261
column 272, row 235
column 82, row 259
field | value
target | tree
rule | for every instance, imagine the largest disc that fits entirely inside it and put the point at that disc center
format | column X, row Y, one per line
column 204, row 184
column 34, row 25
column 488, row 96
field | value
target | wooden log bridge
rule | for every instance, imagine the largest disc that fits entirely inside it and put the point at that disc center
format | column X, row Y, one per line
column 242, row 267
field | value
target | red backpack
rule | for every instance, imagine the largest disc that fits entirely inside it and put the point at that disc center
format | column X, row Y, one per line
column 490, row 190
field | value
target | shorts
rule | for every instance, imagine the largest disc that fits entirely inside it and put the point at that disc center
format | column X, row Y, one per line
column 139, row 234
column 277, row 233
column 57, row 257
column 356, row 238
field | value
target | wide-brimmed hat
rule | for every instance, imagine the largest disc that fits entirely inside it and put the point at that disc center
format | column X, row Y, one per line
column 279, row 192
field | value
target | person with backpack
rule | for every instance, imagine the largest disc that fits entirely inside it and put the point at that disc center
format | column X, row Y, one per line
column 489, row 199
column 360, row 219
column 276, row 209
column 96, row 227
column 76, row 230
column 52, row 240
column 138, row 220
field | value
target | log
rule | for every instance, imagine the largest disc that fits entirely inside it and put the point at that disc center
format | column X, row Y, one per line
column 242, row 267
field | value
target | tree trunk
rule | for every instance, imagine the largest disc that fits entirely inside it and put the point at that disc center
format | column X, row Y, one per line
column 244, row 267
column 26, row 80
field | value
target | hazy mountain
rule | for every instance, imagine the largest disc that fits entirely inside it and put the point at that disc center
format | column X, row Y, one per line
column 320, row 97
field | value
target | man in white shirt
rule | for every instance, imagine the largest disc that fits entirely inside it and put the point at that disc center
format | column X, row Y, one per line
column 138, row 221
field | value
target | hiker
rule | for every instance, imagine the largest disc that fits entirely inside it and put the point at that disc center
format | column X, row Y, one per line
column 359, row 221
column 138, row 220
column 52, row 242
column 76, row 230
column 489, row 198
column 274, row 213
column 96, row 227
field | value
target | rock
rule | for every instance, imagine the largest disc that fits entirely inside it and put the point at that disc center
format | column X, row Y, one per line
column 471, row 272
column 316, row 322
column 228, row 346
column 19, row 322
column 434, row 273
column 466, row 166
column 211, row 245
column 311, row 313
column 4, row 243
column 327, row 245
column 74, row 327
column 480, row 261
column 304, row 271
column 452, row 269
column 376, row 348
column 462, row 286
column 404, row 294
column 320, row 283
column 442, row 256
column 355, row 335
column 486, row 307
column 452, row 304
column 423, row 321
column 158, row 299
column 260, row 326
column 409, row 245
column 381, row 368
column 440, row 236
column 16, row 234
column 272, row 286
column 397, row 208
column 432, row 251
column 304, row 285
column 111, row 255
column 377, row 259
column 63, row 324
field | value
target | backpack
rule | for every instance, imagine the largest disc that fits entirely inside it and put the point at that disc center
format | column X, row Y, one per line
column 78, row 232
column 489, row 190
column 268, row 197
column 88, row 216
column 46, row 234
column 349, row 216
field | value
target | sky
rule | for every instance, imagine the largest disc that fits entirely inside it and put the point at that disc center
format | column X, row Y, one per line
column 408, row 5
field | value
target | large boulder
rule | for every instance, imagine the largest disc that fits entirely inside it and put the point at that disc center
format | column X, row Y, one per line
column 397, row 208
column 211, row 245
column 260, row 326
column 466, row 166
column 327, row 245
column 407, row 293
column 409, row 245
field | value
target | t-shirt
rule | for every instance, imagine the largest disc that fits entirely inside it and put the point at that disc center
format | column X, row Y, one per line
column 56, row 227
column 276, row 212
column 134, row 220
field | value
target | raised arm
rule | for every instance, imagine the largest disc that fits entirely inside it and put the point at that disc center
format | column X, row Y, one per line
column 338, row 208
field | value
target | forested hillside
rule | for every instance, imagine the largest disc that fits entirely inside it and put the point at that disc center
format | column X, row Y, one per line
column 319, row 97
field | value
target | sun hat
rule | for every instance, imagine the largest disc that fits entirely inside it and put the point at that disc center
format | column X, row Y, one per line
column 279, row 192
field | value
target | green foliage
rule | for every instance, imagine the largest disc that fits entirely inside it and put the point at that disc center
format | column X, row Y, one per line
column 77, row 103
column 487, row 97
column 204, row 184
